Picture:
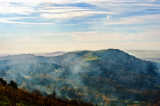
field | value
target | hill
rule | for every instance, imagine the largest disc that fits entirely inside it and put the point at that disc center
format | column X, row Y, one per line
column 102, row 77
column 51, row 54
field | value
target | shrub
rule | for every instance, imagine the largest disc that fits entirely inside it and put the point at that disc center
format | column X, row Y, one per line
column 13, row 84
column 3, row 81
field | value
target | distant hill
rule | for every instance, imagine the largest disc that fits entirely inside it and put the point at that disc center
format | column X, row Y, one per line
column 51, row 54
column 103, row 77
column 144, row 53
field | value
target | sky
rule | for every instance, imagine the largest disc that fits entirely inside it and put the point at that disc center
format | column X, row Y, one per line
column 35, row 26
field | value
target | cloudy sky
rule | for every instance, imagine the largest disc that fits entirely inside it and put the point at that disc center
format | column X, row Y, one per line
column 32, row 26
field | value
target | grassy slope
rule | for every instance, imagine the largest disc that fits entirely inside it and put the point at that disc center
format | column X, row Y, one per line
column 89, row 57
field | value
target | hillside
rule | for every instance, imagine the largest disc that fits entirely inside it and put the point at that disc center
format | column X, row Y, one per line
column 13, row 96
column 102, row 77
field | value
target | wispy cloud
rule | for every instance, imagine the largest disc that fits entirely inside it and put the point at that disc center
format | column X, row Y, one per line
column 13, row 21
column 9, row 8
column 50, row 9
column 145, row 19
column 69, row 12
column 73, row 14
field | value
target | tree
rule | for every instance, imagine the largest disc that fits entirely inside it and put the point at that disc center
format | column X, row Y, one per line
column 13, row 84
column 3, row 82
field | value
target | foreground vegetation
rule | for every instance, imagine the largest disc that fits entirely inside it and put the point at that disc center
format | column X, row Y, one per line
column 11, row 95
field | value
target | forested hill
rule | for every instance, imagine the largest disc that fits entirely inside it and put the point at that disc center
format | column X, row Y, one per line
column 102, row 77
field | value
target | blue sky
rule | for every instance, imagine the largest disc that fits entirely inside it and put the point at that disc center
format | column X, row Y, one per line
column 34, row 26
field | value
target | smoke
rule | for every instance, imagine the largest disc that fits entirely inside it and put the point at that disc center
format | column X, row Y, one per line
column 25, row 70
column 33, row 72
